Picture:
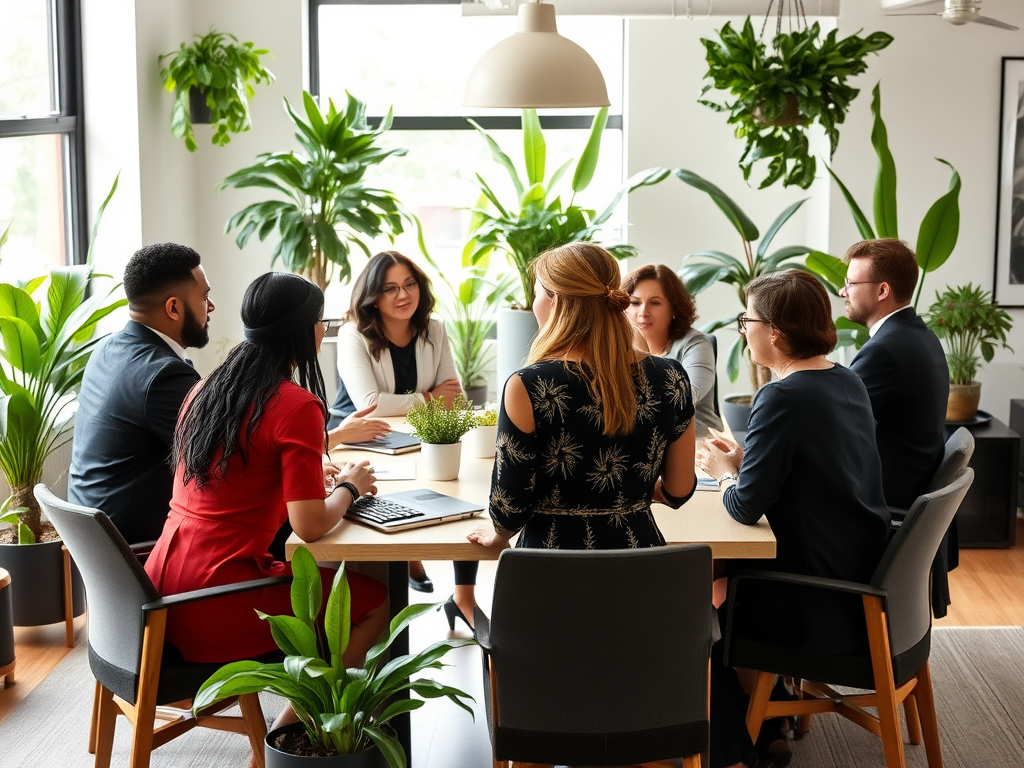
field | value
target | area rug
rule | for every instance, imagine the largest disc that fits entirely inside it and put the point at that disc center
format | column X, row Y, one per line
column 978, row 675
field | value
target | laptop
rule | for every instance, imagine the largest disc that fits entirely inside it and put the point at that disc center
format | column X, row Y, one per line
column 392, row 443
column 403, row 510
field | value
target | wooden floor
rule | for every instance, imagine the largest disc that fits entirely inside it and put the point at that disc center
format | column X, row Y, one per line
column 987, row 590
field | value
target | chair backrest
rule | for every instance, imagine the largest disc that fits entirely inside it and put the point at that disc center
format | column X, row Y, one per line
column 116, row 587
column 905, row 567
column 714, row 348
column 601, row 643
column 956, row 456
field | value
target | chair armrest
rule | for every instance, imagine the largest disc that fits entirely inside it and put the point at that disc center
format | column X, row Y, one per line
column 836, row 585
column 183, row 598
column 716, row 627
column 482, row 627
column 142, row 550
column 896, row 517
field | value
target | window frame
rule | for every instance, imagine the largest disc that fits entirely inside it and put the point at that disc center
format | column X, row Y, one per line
column 66, row 34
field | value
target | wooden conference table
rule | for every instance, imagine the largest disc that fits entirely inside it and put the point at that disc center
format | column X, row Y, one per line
column 702, row 519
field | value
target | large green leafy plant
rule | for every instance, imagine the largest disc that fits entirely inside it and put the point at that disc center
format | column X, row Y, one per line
column 328, row 206
column 936, row 235
column 705, row 268
column 48, row 338
column 777, row 96
column 342, row 711
column 538, row 219
column 224, row 74
column 971, row 325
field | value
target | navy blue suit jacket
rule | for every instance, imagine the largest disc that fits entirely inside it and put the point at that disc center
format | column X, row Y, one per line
column 904, row 369
column 132, row 390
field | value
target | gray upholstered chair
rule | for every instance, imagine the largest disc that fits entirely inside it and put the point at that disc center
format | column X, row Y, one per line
column 898, row 617
column 135, row 670
column 598, row 657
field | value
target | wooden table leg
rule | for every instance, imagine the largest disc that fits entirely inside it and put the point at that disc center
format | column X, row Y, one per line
column 398, row 595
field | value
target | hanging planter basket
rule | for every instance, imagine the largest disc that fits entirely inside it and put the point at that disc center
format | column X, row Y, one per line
column 791, row 115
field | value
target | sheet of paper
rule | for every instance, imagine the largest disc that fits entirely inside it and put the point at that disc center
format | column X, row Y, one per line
column 395, row 470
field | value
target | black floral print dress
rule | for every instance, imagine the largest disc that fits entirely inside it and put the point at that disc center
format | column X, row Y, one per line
column 568, row 486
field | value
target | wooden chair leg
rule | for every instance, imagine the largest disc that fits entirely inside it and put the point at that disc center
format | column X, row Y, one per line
column 803, row 722
column 255, row 725
column 926, row 712
column 106, row 715
column 94, row 718
column 69, row 602
column 885, row 686
column 692, row 761
column 149, row 678
column 759, row 702
column 913, row 719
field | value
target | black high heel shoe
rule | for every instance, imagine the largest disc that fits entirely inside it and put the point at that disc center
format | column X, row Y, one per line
column 420, row 582
column 452, row 611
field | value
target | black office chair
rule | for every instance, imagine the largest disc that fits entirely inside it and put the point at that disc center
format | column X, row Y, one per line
column 598, row 658
column 898, row 618
column 135, row 670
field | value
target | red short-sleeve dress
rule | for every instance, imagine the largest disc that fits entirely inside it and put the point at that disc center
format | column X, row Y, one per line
column 221, row 533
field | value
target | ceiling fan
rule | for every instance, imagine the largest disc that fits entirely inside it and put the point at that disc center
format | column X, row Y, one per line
column 962, row 12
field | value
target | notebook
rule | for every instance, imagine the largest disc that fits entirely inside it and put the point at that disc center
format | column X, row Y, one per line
column 410, row 509
column 392, row 443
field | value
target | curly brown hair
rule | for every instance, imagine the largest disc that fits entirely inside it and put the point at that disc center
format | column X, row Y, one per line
column 684, row 311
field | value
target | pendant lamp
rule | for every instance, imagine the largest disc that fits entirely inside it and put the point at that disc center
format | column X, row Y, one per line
column 536, row 67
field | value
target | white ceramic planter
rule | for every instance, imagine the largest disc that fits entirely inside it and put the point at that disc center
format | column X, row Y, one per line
column 440, row 461
column 480, row 441
column 516, row 329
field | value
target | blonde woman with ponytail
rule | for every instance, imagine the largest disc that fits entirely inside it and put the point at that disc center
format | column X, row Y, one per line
column 592, row 430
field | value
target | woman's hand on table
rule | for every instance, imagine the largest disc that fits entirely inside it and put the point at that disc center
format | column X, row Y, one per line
column 358, row 429
column 446, row 392
column 486, row 536
column 719, row 456
column 360, row 475
column 331, row 471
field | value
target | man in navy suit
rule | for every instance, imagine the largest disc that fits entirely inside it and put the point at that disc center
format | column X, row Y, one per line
column 905, row 372
column 902, row 366
column 133, row 388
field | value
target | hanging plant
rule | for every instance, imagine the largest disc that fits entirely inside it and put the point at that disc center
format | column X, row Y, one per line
column 222, row 75
column 778, row 96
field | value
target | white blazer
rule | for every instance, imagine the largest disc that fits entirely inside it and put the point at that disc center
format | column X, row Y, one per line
column 368, row 380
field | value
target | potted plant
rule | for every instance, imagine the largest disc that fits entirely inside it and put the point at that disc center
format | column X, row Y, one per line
column 343, row 713
column 705, row 268
column 538, row 220
column 481, row 439
column 971, row 325
column 440, row 429
column 212, row 81
column 329, row 206
column 778, row 95
column 46, row 344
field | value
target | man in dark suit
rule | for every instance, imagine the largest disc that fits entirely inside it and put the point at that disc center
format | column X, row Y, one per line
column 902, row 366
column 905, row 372
column 132, row 389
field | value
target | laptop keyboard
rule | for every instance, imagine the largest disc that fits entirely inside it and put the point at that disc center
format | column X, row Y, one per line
column 380, row 510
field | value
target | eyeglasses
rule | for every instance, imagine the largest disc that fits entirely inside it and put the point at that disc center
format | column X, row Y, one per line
column 410, row 286
column 330, row 325
column 742, row 320
column 848, row 282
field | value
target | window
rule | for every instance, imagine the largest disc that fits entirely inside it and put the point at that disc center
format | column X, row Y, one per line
column 41, row 139
column 414, row 57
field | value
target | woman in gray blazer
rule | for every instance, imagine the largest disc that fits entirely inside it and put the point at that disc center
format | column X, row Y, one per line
column 663, row 313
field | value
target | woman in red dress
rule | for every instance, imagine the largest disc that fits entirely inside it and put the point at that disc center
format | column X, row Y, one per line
column 248, row 450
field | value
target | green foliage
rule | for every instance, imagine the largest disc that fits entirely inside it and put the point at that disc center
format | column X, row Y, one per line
column 705, row 268
column 436, row 424
column 342, row 710
column 328, row 207
column 224, row 72
column 804, row 69
column 535, row 222
column 488, row 417
column 971, row 325
column 6, row 232
column 939, row 230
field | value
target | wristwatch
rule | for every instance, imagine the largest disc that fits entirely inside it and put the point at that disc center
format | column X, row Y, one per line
column 351, row 489
column 727, row 476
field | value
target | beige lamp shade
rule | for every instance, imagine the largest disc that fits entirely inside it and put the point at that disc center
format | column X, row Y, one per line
column 535, row 68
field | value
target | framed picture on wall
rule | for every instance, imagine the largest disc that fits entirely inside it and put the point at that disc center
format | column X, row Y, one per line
column 1009, row 278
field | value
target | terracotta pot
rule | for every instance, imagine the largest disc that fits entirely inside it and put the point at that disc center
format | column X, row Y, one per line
column 963, row 401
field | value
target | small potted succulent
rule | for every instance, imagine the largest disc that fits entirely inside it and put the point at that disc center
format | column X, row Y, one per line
column 440, row 429
column 212, row 81
column 343, row 713
column 481, row 439
column 971, row 325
